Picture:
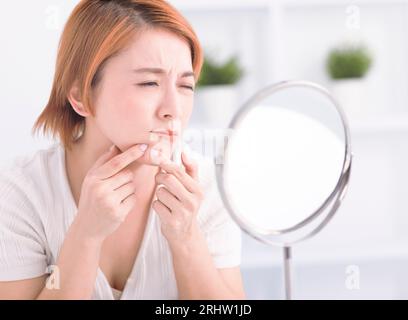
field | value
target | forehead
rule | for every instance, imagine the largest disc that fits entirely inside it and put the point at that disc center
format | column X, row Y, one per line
column 159, row 48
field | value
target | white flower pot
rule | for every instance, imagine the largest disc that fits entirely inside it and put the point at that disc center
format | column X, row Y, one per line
column 350, row 94
column 217, row 104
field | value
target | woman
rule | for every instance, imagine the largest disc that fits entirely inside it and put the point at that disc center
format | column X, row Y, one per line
column 105, row 210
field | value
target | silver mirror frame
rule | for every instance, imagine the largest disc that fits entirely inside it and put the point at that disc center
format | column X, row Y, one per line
column 335, row 198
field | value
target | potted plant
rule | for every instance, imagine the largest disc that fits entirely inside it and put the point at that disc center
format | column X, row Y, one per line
column 347, row 67
column 216, row 90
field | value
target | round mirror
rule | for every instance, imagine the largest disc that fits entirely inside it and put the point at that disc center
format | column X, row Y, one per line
column 286, row 163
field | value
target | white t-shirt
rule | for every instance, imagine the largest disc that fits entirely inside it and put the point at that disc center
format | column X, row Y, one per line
column 37, row 208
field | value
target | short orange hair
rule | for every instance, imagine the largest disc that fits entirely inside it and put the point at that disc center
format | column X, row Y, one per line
column 96, row 31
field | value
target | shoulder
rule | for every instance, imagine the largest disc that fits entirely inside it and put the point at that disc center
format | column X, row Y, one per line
column 22, row 178
column 24, row 189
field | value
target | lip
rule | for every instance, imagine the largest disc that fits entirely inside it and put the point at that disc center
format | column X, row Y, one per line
column 166, row 132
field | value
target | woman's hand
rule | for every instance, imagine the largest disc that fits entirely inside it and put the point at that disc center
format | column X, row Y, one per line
column 107, row 193
column 178, row 201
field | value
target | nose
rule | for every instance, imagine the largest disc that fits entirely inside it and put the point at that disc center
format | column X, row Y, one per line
column 170, row 108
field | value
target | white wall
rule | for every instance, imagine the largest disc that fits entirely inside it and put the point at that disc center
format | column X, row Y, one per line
column 29, row 33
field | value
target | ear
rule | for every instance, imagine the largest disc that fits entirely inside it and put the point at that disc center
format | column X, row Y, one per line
column 75, row 100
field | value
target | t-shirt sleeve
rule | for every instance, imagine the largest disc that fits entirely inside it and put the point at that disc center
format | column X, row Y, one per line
column 223, row 235
column 22, row 250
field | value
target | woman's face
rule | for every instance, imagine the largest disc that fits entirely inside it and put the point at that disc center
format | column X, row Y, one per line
column 147, row 87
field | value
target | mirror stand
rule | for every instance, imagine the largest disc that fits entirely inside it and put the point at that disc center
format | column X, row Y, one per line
column 287, row 257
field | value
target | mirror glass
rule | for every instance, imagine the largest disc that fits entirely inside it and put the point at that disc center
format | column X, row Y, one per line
column 284, row 158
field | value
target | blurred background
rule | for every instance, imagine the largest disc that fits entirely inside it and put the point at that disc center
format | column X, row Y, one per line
column 357, row 49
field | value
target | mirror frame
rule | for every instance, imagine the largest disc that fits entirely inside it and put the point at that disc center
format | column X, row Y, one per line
column 335, row 197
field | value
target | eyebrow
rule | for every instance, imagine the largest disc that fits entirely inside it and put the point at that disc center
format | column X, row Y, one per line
column 162, row 71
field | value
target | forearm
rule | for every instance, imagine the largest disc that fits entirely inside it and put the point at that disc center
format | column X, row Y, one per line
column 196, row 275
column 76, row 268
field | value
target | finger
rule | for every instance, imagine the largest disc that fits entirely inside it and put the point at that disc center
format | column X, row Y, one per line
column 124, row 191
column 119, row 179
column 174, row 186
column 190, row 165
column 189, row 183
column 121, row 161
column 129, row 203
column 168, row 199
column 113, row 151
column 163, row 212
column 161, row 151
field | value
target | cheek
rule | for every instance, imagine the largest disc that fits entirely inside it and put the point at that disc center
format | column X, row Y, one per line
column 126, row 121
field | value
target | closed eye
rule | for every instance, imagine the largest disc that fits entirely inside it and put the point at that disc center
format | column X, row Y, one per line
column 189, row 87
column 150, row 84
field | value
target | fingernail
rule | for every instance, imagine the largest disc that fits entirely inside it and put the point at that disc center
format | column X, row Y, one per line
column 143, row 147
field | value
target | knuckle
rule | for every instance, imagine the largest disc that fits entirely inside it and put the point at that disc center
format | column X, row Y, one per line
column 160, row 197
column 161, row 191
column 156, row 205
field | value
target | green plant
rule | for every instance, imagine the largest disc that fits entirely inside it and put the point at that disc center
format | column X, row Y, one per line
column 214, row 73
column 348, row 62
